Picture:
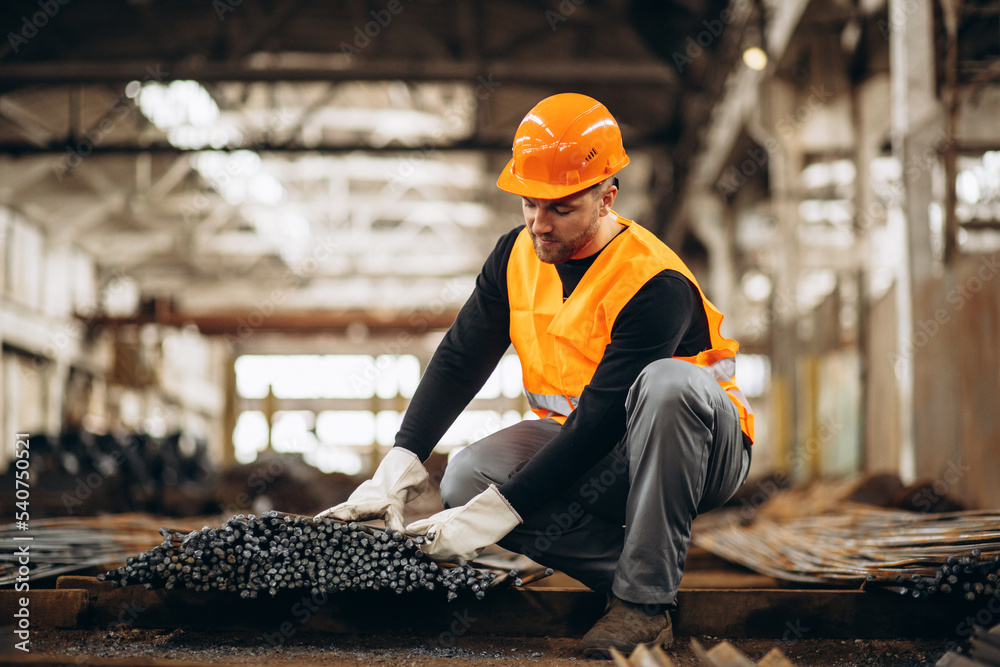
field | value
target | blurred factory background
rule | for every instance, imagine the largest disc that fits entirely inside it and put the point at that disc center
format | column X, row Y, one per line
column 232, row 232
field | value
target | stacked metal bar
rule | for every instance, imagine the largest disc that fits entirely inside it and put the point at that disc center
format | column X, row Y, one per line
column 57, row 551
column 72, row 544
column 956, row 553
column 277, row 551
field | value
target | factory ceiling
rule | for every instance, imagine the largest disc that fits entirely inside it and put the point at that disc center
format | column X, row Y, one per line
column 325, row 157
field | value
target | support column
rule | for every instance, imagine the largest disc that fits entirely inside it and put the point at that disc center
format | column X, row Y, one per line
column 785, row 165
column 229, row 411
column 877, row 331
column 927, row 376
column 709, row 223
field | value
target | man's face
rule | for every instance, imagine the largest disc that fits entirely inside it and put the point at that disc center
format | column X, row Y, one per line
column 564, row 228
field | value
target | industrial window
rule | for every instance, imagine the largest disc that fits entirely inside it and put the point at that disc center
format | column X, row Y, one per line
column 977, row 190
column 334, row 409
column 753, row 374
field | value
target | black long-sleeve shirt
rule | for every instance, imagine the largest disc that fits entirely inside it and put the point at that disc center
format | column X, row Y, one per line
column 665, row 318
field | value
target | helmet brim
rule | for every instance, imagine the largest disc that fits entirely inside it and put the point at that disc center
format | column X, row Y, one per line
column 508, row 181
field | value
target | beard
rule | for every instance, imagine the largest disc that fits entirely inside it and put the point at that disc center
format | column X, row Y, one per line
column 564, row 249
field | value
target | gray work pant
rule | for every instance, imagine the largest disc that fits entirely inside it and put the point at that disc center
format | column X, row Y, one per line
column 625, row 525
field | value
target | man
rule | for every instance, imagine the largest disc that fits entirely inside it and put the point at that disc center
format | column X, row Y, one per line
column 641, row 423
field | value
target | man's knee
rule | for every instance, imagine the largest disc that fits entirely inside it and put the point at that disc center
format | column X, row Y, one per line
column 668, row 381
column 462, row 479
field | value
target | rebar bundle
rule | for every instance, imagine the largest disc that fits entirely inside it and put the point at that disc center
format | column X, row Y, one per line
column 955, row 553
column 278, row 551
column 72, row 544
column 970, row 578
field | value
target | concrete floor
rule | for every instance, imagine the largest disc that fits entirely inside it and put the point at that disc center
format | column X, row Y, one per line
column 155, row 648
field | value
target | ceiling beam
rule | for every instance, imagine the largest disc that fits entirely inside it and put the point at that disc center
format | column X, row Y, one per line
column 239, row 324
column 489, row 75
column 25, row 121
column 19, row 175
column 729, row 116
column 269, row 26
column 163, row 147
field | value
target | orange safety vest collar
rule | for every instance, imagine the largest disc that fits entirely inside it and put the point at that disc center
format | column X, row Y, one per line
column 561, row 343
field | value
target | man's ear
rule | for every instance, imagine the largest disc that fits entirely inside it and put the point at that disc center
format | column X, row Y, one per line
column 608, row 199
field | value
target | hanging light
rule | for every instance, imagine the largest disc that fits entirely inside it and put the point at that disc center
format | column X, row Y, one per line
column 755, row 58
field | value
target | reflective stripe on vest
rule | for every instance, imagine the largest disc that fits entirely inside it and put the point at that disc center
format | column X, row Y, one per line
column 553, row 403
column 723, row 369
column 556, row 404
column 560, row 343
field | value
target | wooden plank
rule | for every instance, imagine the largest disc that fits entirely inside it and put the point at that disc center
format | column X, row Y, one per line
column 511, row 612
column 47, row 608
column 787, row 614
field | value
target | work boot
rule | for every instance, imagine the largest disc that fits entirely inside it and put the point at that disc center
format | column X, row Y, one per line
column 625, row 625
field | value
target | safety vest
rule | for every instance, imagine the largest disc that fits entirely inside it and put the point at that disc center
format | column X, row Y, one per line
column 561, row 343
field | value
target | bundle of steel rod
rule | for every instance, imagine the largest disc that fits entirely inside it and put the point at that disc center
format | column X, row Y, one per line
column 956, row 553
column 277, row 551
column 72, row 544
column 58, row 551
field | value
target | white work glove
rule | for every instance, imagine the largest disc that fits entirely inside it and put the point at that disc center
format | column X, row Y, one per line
column 461, row 533
column 399, row 478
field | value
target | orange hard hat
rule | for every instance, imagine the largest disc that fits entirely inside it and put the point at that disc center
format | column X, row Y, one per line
column 566, row 143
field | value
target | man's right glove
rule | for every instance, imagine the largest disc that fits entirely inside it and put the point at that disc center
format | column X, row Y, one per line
column 400, row 478
column 461, row 533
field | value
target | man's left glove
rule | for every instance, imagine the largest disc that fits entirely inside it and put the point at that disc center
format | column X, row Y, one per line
column 399, row 478
column 461, row 533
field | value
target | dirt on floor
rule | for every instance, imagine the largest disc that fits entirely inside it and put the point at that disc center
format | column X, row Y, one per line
column 153, row 648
